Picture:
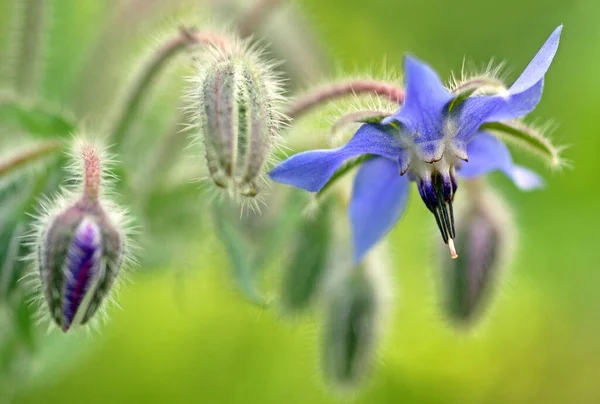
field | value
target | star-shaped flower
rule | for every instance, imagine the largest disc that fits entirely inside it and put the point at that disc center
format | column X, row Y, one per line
column 434, row 136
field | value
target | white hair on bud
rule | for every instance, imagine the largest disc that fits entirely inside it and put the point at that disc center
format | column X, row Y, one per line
column 251, row 57
column 50, row 207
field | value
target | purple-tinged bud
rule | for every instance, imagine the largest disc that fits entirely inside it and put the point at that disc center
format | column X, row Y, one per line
column 234, row 103
column 485, row 229
column 80, row 248
column 83, row 264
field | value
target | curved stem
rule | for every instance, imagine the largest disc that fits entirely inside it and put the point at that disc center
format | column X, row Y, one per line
column 148, row 73
column 40, row 151
column 339, row 90
column 482, row 85
column 529, row 137
column 252, row 18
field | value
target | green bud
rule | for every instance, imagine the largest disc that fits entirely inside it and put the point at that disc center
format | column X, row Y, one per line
column 353, row 322
column 234, row 103
column 308, row 262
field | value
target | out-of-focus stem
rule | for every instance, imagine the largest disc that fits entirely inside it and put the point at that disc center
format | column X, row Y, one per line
column 254, row 16
column 337, row 90
column 150, row 71
column 20, row 159
column 29, row 52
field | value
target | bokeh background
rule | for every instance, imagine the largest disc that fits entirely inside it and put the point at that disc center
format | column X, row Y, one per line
column 185, row 335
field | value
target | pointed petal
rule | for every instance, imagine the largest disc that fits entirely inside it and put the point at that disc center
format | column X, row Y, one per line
column 378, row 200
column 312, row 170
column 539, row 65
column 487, row 153
column 424, row 89
column 519, row 100
column 424, row 102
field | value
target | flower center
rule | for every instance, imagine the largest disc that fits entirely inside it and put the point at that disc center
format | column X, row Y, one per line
column 437, row 191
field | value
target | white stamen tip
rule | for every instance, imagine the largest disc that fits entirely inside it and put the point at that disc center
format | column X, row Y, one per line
column 452, row 249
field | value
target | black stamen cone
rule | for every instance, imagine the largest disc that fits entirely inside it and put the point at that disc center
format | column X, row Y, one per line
column 438, row 195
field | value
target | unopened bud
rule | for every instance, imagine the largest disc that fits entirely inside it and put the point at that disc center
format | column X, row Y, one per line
column 80, row 248
column 353, row 322
column 485, row 232
column 310, row 258
column 234, row 104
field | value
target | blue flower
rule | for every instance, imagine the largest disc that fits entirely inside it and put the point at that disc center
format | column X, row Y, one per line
column 431, row 139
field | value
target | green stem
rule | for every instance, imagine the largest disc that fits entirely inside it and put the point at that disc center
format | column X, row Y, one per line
column 528, row 137
column 40, row 151
column 151, row 70
column 483, row 84
column 33, row 23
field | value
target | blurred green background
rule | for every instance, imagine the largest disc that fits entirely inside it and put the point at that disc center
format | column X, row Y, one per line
column 184, row 334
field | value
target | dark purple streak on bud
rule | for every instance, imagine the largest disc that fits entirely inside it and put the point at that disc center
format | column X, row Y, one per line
column 83, row 263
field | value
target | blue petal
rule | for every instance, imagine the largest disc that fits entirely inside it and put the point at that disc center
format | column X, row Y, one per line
column 378, row 200
column 539, row 65
column 519, row 100
column 487, row 153
column 424, row 102
column 311, row 170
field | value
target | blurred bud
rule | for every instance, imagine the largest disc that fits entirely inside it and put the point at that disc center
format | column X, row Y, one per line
column 485, row 231
column 353, row 323
column 308, row 263
column 234, row 104
column 80, row 247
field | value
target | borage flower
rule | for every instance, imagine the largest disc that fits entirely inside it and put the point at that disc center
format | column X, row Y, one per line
column 436, row 135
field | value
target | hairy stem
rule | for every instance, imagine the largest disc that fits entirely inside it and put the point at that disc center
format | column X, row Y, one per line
column 92, row 165
column 247, row 25
column 29, row 52
column 23, row 158
column 338, row 90
column 483, row 85
column 151, row 70
column 530, row 138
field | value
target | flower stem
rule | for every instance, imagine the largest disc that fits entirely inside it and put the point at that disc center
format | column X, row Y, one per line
column 150, row 71
column 484, row 85
column 31, row 37
column 92, row 165
column 532, row 139
column 40, row 151
column 339, row 90
column 247, row 25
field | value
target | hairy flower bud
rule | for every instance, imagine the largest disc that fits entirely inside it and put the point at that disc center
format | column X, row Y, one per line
column 355, row 309
column 486, row 230
column 309, row 261
column 234, row 105
column 80, row 247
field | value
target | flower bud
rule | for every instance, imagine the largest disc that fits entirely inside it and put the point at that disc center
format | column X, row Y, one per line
column 485, row 231
column 80, row 248
column 353, row 321
column 308, row 263
column 234, row 99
